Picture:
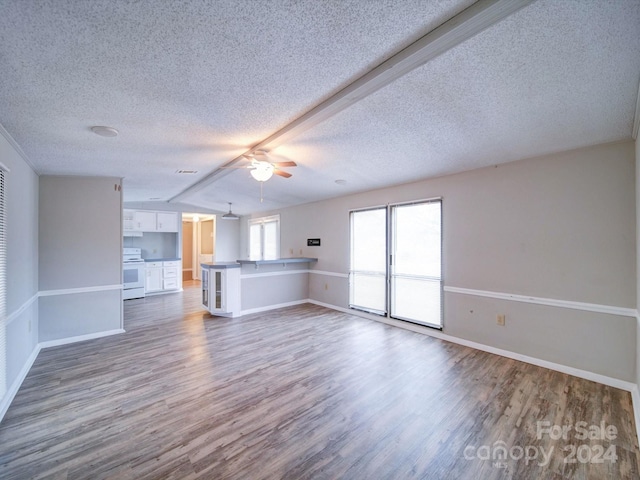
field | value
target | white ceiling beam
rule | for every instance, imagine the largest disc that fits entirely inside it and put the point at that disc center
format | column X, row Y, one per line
column 459, row 28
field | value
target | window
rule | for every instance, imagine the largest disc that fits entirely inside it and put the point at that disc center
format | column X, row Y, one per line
column 264, row 238
column 396, row 265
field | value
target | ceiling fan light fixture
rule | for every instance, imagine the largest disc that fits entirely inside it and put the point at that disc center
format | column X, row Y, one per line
column 262, row 171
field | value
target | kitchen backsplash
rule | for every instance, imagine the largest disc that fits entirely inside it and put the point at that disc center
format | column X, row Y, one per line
column 155, row 244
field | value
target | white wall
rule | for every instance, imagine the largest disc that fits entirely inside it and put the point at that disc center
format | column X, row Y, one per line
column 22, row 263
column 558, row 227
column 80, row 251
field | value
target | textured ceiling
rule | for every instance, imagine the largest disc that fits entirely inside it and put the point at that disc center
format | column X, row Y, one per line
column 191, row 85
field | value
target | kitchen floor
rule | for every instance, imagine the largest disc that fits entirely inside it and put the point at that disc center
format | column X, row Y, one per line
column 303, row 392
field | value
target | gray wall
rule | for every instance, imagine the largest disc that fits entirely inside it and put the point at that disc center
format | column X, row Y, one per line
column 80, row 246
column 227, row 246
column 22, row 259
column 271, row 285
column 559, row 227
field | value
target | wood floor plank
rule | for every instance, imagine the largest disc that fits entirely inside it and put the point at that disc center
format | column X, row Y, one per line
column 297, row 393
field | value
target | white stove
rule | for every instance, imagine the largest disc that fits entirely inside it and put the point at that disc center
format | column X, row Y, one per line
column 132, row 273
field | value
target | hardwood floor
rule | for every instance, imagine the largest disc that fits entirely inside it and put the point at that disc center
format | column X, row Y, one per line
column 297, row 393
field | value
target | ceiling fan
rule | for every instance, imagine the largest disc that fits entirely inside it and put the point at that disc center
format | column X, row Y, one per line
column 261, row 168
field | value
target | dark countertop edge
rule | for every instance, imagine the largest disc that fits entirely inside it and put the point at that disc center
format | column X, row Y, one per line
column 278, row 261
column 220, row 265
column 170, row 259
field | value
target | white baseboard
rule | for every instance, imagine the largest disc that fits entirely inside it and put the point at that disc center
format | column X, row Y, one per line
column 79, row 338
column 15, row 386
column 274, row 307
column 162, row 292
column 576, row 372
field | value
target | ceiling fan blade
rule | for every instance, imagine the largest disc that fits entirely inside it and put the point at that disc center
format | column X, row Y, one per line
column 282, row 173
column 284, row 164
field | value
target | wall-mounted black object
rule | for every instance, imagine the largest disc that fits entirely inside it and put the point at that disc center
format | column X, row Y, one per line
column 313, row 242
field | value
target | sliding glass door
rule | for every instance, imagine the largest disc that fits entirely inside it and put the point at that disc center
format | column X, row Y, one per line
column 368, row 273
column 416, row 267
column 396, row 266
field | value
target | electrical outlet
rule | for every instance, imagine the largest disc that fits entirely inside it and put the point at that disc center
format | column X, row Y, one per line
column 29, row 325
column 291, row 251
column 300, row 252
column 500, row 320
column 326, row 286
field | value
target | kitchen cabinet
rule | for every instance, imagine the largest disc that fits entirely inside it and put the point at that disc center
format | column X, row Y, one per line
column 170, row 275
column 162, row 276
column 166, row 222
column 145, row 221
column 221, row 288
column 128, row 220
column 148, row 221
column 129, row 224
column 153, row 277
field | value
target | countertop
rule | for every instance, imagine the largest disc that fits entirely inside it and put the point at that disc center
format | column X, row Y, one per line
column 220, row 265
column 169, row 259
column 239, row 263
column 279, row 261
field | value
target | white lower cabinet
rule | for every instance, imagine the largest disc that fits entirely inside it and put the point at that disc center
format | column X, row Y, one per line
column 153, row 277
column 162, row 276
column 221, row 290
column 170, row 275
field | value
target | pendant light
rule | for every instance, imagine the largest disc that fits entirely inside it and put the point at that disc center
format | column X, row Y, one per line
column 230, row 215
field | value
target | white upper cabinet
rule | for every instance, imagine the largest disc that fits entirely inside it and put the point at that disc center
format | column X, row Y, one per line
column 167, row 222
column 147, row 221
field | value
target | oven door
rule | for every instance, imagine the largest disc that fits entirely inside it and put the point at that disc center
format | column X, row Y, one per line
column 133, row 275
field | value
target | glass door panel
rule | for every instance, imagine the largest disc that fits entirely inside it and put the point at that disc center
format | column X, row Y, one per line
column 368, row 292
column 368, row 273
column 416, row 267
column 416, row 300
column 218, row 287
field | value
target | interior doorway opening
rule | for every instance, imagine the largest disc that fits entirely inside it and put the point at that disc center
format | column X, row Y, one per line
column 198, row 243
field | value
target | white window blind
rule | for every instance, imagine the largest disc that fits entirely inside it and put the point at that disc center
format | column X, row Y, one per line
column 264, row 238
column 3, row 288
column 255, row 241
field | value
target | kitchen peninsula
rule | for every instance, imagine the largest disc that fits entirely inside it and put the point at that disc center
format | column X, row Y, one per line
column 233, row 289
